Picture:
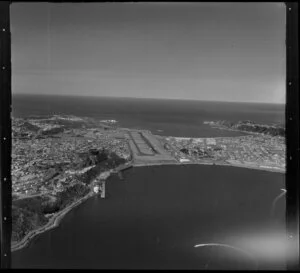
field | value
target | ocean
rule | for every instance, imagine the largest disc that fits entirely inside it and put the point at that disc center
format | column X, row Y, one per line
column 155, row 216
column 180, row 118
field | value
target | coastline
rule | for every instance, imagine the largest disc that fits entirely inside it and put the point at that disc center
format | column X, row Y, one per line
column 237, row 130
column 211, row 163
column 53, row 222
column 57, row 218
column 239, row 165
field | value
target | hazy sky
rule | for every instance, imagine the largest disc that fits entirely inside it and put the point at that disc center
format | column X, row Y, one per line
column 205, row 51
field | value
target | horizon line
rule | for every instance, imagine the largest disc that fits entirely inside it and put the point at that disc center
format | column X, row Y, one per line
column 148, row 98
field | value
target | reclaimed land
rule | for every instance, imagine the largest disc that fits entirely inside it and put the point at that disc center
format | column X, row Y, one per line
column 149, row 150
column 162, row 157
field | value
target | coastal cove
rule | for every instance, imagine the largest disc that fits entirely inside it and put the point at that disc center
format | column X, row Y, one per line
column 147, row 136
column 179, row 118
column 57, row 217
column 216, row 187
column 153, row 218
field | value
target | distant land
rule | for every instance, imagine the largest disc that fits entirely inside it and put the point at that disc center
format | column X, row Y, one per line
column 250, row 126
column 57, row 160
column 148, row 98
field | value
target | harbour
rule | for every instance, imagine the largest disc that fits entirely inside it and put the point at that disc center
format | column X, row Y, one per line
column 138, row 229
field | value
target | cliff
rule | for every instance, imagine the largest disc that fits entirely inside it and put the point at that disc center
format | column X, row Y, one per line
column 250, row 126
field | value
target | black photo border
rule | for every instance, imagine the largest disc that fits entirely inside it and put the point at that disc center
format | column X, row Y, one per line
column 5, row 135
column 292, row 134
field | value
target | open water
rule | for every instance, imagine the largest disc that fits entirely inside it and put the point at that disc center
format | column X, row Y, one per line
column 163, row 117
column 155, row 216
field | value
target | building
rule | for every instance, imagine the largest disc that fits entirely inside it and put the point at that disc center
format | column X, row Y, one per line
column 96, row 189
column 183, row 160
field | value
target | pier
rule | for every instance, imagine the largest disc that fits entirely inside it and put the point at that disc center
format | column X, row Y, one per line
column 103, row 189
column 120, row 174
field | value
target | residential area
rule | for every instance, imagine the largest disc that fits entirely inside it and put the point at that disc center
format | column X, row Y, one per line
column 48, row 164
column 49, row 154
column 257, row 150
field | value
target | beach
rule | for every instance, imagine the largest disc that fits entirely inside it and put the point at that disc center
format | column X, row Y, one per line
column 216, row 164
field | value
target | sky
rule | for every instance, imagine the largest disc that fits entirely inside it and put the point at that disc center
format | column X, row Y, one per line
column 198, row 51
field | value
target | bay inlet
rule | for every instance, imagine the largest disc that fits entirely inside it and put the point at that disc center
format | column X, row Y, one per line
column 153, row 218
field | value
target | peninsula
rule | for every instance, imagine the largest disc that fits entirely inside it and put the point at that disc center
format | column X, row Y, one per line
column 57, row 160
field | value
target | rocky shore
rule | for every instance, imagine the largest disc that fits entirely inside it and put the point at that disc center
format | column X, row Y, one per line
column 57, row 217
column 53, row 222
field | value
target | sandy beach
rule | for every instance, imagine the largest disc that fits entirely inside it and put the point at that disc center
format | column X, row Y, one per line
column 211, row 163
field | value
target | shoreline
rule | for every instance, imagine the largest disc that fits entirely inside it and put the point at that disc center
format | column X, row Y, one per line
column 242, row 131
column 55, row 220
column 210, row 163
column 52, row 223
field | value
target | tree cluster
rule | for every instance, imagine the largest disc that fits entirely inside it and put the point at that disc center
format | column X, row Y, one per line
column 29, row 214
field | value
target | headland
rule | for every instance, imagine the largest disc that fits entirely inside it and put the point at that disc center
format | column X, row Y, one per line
column 57, row 161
